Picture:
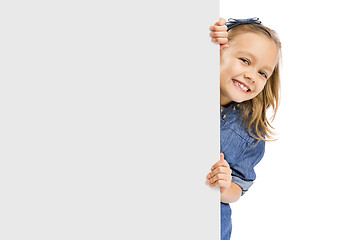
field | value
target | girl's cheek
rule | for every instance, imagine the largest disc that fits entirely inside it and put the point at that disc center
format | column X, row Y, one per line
column 259, row 89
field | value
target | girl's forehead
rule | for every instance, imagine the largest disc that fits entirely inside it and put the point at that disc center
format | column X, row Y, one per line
column 256, row 44
column 251, row 39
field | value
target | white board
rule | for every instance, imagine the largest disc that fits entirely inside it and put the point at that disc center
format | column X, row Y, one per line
column 307, row 182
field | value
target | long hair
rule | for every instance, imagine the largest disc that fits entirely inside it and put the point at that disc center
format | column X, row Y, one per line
column 254, row 110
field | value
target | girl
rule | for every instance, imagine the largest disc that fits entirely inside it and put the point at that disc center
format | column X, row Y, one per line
column 249, row 85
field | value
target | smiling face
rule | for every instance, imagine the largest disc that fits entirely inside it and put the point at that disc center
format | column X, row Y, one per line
column 246, row 66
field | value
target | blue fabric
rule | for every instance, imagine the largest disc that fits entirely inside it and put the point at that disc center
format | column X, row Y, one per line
column 226, row 225
column 242, row 152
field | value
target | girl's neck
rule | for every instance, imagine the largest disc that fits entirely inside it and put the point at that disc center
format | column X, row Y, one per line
column 226, row 105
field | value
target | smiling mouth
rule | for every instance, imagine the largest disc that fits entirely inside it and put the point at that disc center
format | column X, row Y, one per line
column 241, row 85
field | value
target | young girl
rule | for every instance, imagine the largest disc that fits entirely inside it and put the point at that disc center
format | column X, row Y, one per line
column 249, row 85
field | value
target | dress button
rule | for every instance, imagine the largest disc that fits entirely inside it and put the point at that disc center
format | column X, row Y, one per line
column 223, row 116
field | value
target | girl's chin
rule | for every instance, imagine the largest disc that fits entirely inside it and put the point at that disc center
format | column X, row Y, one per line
column 239, row 98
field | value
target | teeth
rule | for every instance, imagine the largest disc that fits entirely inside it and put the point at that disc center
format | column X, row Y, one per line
column 241, row 86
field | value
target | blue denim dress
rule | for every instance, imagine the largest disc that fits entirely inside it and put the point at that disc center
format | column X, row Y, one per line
column 242, row 152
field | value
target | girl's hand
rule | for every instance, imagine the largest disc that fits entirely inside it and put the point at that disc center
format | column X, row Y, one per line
column 219, row 33
column 220, row 175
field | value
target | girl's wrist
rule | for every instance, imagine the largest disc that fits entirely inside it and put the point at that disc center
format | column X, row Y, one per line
column 232, row 194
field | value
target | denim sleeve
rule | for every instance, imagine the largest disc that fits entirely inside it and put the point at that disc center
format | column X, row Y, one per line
column 243, row 173
column 245, row 185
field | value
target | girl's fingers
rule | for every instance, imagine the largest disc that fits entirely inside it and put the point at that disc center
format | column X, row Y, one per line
column 220, row 163
column 219, row 177
column 218, row 170
column 215, row 28
column 219, row 34
column 220, row 183
column 220, row 40
column 221, row 22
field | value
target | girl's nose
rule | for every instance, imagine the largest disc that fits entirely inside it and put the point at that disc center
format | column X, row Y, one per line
column 249, row 75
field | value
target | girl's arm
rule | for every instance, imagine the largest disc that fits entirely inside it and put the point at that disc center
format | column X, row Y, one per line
column 220, row 175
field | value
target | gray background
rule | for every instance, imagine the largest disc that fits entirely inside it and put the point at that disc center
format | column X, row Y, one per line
column 108, row 120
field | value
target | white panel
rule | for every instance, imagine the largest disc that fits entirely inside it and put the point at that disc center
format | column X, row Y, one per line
column 307, row 183
column 108, row 120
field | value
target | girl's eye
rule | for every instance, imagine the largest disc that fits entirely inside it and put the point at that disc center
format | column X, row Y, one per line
column 263, row 74
column 245, row 61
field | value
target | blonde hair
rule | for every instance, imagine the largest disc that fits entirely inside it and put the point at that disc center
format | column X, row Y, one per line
column 254, row 110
